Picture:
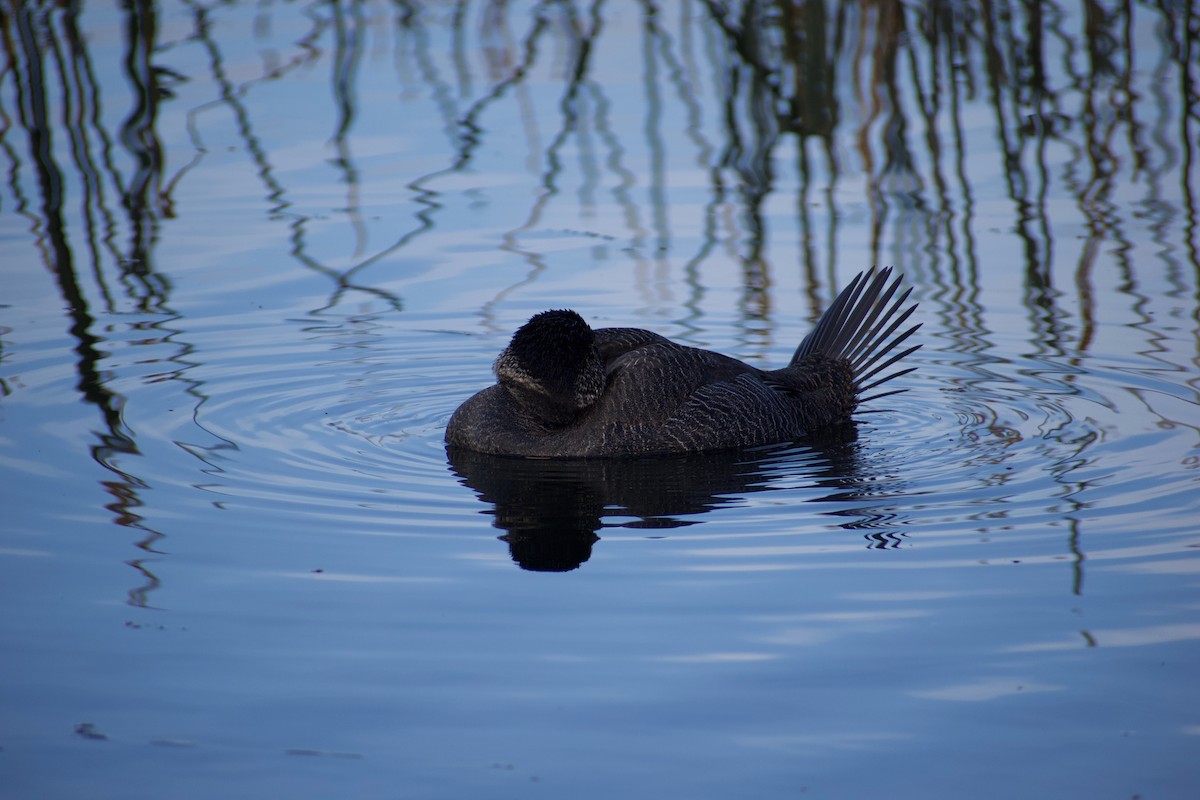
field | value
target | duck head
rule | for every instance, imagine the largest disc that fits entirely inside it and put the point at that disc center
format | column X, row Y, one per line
column 551, row 367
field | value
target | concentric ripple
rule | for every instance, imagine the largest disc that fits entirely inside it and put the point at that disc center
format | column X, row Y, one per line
column 1002, row 451
column 341, row 422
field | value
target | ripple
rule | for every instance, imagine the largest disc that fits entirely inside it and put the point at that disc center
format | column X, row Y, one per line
column 343, row 423
column 1021, row 458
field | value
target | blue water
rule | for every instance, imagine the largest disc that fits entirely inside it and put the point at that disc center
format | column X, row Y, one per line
column 253, row 256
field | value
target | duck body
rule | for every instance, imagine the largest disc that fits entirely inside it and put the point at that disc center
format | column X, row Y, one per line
column 565, row 390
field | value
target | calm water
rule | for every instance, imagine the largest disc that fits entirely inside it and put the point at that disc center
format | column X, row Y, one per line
column 253, row 255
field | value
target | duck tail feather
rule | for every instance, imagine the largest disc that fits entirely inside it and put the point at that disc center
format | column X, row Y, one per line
column 823, row 336
column 867, row 332
column 860, row 326
column 872, row 367
column 884, row 380
column 862, row 353
column 876, row 397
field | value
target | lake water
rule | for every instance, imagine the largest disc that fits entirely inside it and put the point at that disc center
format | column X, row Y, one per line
column 252, row 256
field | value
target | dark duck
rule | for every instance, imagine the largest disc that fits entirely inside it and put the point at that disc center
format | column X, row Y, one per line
column 565, row 390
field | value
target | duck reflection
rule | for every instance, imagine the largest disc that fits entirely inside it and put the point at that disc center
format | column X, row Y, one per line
column 551, row 509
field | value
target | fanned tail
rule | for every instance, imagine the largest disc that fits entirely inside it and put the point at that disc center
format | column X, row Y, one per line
column 860, row 326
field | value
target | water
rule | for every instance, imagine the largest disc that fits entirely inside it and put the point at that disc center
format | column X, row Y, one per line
column 254, row 256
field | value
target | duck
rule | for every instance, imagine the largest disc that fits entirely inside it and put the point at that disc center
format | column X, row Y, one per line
column 566, row 390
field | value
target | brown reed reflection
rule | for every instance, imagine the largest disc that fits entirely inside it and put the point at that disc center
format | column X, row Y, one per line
column 893, row 80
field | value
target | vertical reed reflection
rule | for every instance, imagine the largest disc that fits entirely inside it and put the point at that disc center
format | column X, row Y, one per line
column 895, row 80
column 138, row 132
column 348, row 40
column 682, row 61
column 233, row 96
column 50, row 71
column 898, row 79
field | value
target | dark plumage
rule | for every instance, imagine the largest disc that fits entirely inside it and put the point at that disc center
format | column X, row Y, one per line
column 565, row 390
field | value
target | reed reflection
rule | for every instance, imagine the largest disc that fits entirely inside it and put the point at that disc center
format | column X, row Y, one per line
column 870, row 91
column 904, row 110
column 57, row 93
column 552, row 510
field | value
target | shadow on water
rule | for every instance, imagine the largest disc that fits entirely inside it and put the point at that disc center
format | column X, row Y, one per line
column 552, row 510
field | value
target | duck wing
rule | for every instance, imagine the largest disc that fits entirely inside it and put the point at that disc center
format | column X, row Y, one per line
column 669, row 398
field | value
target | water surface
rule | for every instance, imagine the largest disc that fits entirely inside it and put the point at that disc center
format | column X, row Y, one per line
column 253, row 256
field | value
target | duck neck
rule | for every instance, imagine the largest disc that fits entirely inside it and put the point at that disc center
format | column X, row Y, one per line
column 539, row 410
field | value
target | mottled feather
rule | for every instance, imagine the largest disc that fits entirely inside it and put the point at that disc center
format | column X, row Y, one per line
column 565, row 390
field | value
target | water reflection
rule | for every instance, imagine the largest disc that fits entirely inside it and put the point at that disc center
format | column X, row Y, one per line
column 870, row 89
column 552, row 509
column 880, row 91
column 253, row 254
column 894, row 81
column 55, row 82
column 900, row 133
